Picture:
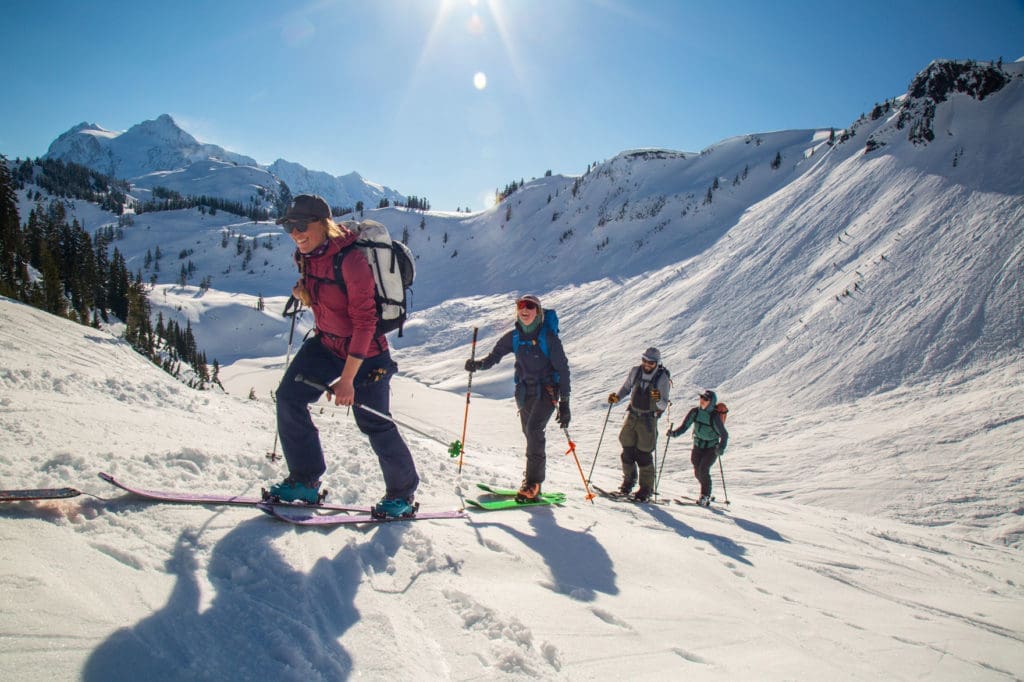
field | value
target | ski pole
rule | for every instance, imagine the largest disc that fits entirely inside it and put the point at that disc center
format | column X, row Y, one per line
column 664, row 453
column 599, row 440
column 572, row 451
column 297, row 305
column 465, row 417
column 722, row 472
column 377, row 413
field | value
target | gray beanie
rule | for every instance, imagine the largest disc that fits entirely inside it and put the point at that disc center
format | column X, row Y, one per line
column 652, row 354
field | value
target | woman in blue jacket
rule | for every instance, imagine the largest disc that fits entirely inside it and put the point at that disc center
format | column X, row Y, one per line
column 542, row 382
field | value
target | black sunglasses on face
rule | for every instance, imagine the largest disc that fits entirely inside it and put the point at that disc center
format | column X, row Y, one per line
column 299, row 226
column 295, row 227
column 529, row 305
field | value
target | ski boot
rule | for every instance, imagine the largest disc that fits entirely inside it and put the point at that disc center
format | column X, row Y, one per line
column 293, row 490
column 394, row 508
column 528, row 492
column 642, row 495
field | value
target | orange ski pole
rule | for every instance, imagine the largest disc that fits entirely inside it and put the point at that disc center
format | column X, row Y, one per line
column 572, row 451
column 469, row 390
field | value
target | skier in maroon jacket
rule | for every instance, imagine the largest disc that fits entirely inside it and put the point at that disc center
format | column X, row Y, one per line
column 346, row 355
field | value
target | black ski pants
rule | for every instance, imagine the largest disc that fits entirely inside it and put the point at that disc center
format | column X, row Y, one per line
column 535, row 410
column 703, row 459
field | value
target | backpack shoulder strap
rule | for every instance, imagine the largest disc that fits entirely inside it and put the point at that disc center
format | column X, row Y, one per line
column 542, row 341
column 339, row 277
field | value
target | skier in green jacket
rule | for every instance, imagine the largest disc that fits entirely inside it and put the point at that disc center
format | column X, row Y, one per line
column 710, row 439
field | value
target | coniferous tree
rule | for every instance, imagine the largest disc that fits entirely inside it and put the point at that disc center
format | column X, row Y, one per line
column 101, row 294
column 117, row 286
column 10, row 233
column 52, row 289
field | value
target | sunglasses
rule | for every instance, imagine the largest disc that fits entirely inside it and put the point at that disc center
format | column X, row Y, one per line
column 527, row 305
column 298, row 226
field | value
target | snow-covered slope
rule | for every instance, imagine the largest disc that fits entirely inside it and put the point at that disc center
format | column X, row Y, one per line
column 117, row 589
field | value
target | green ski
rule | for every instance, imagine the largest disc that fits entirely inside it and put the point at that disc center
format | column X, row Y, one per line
column 494, row 505
column 510, row 492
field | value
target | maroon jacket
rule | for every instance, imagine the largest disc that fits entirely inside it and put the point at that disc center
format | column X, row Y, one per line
column 346, row 321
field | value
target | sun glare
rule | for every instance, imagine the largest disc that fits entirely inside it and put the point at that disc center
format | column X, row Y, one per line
column 480, row 80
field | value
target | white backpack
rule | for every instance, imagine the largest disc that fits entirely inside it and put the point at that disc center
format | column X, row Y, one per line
column 393, row 269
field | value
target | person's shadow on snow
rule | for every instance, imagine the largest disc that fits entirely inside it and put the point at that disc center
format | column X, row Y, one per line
column 266, row 619
column 723, row 544
column 580, row 567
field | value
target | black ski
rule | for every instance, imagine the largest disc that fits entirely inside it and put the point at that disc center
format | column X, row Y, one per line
column 38, row 494
column 689, row 501
column 619, row 497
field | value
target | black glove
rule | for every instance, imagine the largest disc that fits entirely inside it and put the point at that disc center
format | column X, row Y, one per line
column 474, row 365
column 720, row 451
column 613, row 398
column 672, row 433
column 564, row 416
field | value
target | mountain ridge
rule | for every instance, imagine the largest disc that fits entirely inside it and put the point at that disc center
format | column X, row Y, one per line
column 159, row 153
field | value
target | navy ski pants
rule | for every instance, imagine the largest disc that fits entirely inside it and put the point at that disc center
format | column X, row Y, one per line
column 535, row 409
column 300, row 439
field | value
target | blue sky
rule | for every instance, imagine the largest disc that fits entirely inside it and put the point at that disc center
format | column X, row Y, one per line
column 386, row 87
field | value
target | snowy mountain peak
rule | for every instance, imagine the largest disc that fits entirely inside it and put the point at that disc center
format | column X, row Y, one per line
column 87, row 127
column 148, row 147
column 160, row 153
column 164, row 128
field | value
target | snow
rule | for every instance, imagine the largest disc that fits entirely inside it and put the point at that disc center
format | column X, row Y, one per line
column 767, row 588
column 860, row 314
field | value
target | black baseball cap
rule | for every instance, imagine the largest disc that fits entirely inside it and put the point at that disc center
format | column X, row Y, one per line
column 306, row 208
